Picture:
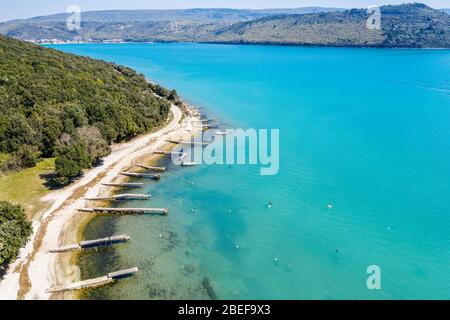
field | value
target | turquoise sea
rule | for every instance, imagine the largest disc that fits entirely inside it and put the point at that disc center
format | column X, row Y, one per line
column 366, row 130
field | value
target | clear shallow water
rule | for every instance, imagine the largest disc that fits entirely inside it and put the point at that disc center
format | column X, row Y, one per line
column 364, row 129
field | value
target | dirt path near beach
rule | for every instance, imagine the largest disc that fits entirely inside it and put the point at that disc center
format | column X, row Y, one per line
column 36, row 270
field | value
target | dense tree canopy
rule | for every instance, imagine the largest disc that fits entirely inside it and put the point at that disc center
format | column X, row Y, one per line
column 54, row 104
column 78, row 151
column 45, row 93
column 14, row 231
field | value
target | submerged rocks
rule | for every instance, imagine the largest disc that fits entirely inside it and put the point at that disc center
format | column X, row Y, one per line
column 209, row 289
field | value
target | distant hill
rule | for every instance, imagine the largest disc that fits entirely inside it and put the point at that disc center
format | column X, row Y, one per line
column 200, row 14
column 408, row 25
column 137, row 24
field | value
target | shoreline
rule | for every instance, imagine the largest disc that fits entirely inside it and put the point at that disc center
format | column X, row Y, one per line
column 71, row 258
column 34, row 271
column 234, row 43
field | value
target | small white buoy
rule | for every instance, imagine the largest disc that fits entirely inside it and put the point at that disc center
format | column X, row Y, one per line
column 330, row 206
column 389, row 228
column 275, row 259
column 160, row 235
column 237, row 246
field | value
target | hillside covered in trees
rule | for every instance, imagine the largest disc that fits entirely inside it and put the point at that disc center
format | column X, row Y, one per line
column 412, row 25
column 14, row 231
column 54, row 104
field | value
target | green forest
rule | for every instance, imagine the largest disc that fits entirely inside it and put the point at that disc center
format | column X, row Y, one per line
column 66, row 107
column 14, row 231
column 54, row 104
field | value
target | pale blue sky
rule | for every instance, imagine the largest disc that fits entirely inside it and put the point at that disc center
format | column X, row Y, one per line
column 13, row 9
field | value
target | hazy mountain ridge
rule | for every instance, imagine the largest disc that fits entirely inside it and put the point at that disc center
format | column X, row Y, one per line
column 412, row 25
column 195, row 14
column 409, row 25
column 138, row 25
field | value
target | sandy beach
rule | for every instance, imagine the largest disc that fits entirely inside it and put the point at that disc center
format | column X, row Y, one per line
column 35, row 270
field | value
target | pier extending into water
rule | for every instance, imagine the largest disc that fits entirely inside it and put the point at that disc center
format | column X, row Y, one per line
column 121, row 197
column 123, row 185
column 91, row 243
column 188, row 142
column 209, row 120
column 149, row 168
column 160, row 211
column 142, row 175
column 170, row 153
column 96, row 282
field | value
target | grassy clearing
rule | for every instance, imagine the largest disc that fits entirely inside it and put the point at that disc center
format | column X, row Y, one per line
column 25, row 187
column 3, row 158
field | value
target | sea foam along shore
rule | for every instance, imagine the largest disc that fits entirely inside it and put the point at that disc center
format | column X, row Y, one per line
column 35, row 270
